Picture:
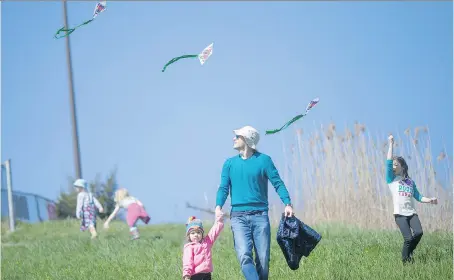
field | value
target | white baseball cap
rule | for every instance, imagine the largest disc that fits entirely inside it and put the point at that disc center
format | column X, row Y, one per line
column 250, row 134
column 81, row 183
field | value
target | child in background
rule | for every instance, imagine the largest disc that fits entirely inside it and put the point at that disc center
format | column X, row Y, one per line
column 135, row 210
column 404, row 192
column 197, row 259
column 86, row 207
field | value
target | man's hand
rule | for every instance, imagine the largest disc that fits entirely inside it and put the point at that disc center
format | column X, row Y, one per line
column 106, row 225
column 101, row 210
column 433, row 200
column 288, row 211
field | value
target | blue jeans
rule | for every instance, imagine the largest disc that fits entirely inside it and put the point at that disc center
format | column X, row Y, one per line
column 252, row 231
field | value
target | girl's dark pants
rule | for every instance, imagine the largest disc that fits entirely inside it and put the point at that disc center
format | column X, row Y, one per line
column 201, row 276
column 406, row 224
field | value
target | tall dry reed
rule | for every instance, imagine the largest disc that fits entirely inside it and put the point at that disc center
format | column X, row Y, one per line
column 336, row 177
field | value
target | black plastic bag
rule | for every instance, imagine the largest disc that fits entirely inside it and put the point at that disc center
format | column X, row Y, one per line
column 296, row 239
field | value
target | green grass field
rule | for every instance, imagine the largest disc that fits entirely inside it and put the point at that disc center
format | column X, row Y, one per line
column 58, row 250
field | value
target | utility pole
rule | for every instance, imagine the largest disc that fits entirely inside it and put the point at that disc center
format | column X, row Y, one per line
column 75, row 134
column 9, row 186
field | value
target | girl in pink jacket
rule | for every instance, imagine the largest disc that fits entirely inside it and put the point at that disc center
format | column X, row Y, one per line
column 197, row 260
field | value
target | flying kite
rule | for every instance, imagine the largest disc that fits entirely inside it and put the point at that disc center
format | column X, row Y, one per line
column 203, row 56
column 309, row 106
column 100, row 7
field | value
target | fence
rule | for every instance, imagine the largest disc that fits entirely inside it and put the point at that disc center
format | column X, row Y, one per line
column 26, row 207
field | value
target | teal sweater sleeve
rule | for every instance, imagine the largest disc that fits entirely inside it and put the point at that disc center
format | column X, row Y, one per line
column 223, row 190
column 276, row 181
column 389, row 171
column 416, row 194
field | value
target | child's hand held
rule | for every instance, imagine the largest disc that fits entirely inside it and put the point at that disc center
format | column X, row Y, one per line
column 220, row 216
column 218, row 211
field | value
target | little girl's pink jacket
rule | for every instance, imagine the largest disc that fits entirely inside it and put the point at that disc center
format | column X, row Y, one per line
column 197, row 255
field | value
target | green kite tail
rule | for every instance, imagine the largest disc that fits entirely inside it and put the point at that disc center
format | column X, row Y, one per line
column 285, row 125
column 173, row 60
column 70, row 30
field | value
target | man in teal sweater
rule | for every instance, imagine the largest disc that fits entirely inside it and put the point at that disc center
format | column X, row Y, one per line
column 246, row 177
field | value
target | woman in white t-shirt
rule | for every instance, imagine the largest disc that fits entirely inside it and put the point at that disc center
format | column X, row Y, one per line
column 403, row 189
column 135, row 210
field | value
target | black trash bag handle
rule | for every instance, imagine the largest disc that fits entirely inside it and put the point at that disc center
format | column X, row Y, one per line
column 284, row 219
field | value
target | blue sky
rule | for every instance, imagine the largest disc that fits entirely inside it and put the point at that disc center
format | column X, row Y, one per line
column 385, row 64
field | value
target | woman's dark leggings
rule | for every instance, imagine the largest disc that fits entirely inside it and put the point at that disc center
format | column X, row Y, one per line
column 406, row 224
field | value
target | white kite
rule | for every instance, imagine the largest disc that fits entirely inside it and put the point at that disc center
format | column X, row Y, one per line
column 308, row 108
column 203, row 56
column 99, row 8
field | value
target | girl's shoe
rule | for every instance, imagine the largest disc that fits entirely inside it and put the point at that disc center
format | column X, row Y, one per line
column 135, row 235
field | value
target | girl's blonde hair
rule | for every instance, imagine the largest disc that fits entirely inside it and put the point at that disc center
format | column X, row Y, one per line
column 121, row 194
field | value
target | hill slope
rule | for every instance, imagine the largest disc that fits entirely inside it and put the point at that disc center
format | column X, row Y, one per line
column 58, row 250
